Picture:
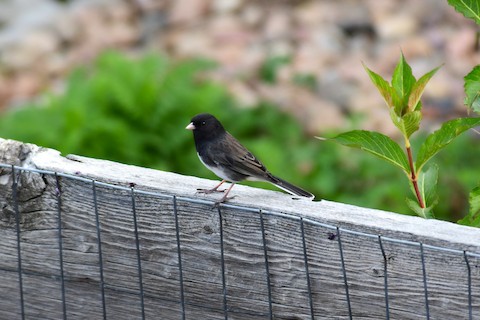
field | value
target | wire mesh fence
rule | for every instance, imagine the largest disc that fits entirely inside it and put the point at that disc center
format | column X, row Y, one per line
column 79, row 248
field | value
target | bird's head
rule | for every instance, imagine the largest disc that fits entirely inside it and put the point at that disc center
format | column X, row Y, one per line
column 205, row 125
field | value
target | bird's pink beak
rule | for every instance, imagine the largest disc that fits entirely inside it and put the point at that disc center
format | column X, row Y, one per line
column 190, row 126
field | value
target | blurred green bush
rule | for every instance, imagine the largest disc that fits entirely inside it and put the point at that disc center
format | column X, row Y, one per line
column 135, row 111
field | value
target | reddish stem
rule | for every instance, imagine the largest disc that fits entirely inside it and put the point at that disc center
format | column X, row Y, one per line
column 413, row 177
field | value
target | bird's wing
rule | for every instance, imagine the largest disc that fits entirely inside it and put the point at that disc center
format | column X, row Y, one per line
column 239, row 159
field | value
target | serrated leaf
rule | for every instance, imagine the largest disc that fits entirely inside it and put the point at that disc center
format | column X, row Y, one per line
column 418, row 88
column 402, row 81
column 473, row 217
column 375, row 143
column 469, row 8
column 387, row 92
column 427, row 184
column 472, row 89
column 439, row 139
column 422, row 212
column 408, row 124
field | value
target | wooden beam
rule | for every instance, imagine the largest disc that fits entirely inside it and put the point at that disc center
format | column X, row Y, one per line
column 236, row 285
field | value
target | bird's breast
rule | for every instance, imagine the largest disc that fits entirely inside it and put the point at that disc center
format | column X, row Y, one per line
column 214, row 168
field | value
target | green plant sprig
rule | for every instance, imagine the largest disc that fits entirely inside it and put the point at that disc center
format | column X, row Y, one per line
column 402, row 97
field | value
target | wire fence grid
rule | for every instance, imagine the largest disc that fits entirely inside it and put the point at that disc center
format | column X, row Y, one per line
column 135, row 297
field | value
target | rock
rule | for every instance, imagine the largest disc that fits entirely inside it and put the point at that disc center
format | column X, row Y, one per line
column 313, row 13
column 122, row 11
column 329, row 40
column 307, row 59
column 226, row 28
column 244, row 94
column 56, row 65
column 277, row 25
column 351, row 69
column 461, row 43
column 188, row 44
column 321, row 115
column 123, row 33
column 315, row 113
column 149, row 5
column 228, row 40
column 280, row 48
column 226, row 6
column 396, row 26
column 252, row 15
column 19, row 20
column 67, row 28
column 229, row 55
column 18, row 14
column 33, row 48
column 24, row 86
column 335, row 88
column 362, row 101
column 354, row 18
column 187, row 11
column 415, row 46
column 442, row 86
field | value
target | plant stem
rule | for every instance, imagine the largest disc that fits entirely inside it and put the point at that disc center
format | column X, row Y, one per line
column 413, row 176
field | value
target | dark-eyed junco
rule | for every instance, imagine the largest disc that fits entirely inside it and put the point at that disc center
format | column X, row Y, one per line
column 220, row 152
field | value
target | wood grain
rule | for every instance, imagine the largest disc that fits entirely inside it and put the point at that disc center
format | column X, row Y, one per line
column 41, row 201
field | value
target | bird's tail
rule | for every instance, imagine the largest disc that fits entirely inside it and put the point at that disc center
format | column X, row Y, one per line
column 290, row 188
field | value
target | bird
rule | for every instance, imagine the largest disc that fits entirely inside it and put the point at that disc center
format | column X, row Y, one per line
column 225, row 156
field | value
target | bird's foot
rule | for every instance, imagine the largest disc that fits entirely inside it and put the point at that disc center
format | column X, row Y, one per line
column 208, row 191
column 222, row 200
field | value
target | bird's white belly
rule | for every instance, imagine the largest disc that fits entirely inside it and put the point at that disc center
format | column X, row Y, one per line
column 215, row 170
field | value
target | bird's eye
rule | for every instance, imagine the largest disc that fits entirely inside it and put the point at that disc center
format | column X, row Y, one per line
column 203, row 123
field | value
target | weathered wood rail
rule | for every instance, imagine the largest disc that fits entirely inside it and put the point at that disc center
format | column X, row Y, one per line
column 159, row 251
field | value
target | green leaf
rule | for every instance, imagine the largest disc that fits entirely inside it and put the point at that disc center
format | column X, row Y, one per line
column 375, row 143
column 408, row 124
column 474, row 201
column 422, row 212
column 439, row 139
column 473, row 217
column 472, row 89
column 427, row 183
column 387, row 92
column 418, row 88
column 469, row 8
column 402, row 81
column 418, row 107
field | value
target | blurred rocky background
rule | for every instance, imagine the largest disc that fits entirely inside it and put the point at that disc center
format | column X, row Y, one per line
column 305, row 56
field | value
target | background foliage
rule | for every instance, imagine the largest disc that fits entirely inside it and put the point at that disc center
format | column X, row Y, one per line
column 135, row 111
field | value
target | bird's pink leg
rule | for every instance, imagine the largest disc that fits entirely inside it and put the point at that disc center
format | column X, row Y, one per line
column 207, row 191
column 224, row 198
